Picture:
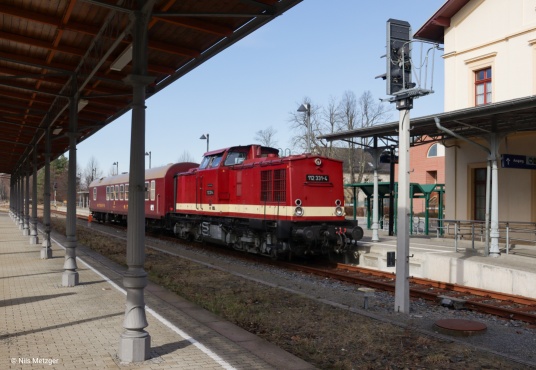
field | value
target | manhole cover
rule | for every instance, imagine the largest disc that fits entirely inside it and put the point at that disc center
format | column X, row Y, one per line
column 460, row 327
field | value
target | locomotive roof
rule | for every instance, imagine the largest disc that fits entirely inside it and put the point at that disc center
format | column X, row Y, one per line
column 246, row 147
column 152, row 173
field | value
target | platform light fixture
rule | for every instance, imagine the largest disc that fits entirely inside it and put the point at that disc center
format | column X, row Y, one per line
column 306, row 108
column 57, row 130
column 123, row 59
column 149, row 154
column 205, row 137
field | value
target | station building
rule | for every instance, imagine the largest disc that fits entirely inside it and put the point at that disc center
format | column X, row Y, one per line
column 489, row 57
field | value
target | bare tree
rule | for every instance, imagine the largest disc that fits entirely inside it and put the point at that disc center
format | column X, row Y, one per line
column 186, row 157
column 369, row 113
column 299, row 123
column 348, row 114
column 329, row 123
column 266, row 137
column 91, row 172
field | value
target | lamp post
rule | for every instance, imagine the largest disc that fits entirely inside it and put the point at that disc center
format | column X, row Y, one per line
column 149, row 154
column 306, row 108
column 205, row 137
column 116, row 164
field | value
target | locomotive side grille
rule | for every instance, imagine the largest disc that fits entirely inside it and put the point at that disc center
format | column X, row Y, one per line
column 266, row 186
column 280, row 185
column 273, row 185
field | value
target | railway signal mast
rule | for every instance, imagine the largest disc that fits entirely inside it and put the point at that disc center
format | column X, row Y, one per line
column 400, row 86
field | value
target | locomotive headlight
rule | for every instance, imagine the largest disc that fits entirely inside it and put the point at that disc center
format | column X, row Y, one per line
column 338, row 202
column 298, row 211
column 339, row 211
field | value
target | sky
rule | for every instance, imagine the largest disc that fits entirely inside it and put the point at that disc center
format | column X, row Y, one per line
column 319, row 49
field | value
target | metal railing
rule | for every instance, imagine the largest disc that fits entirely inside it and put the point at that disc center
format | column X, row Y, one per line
column 510, row 232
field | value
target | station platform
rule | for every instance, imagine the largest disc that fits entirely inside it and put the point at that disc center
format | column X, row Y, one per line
column 463, row 263
column 46, row 325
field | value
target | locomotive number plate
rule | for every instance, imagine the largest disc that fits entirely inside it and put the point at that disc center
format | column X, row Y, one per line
column 317, row 178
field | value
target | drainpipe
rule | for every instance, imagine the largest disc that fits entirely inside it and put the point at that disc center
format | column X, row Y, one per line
column 492, row 158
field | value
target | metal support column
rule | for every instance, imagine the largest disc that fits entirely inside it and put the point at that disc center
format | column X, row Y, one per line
column 21, row 198
column 494, row 227
column 26, row 226
column 34, row 239
column 70, row 275
column 402, row 258
column 46, row 251
column 135, row 342
column 375, row 214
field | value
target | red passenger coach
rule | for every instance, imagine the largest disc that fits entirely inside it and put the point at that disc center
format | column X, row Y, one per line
column 251, row 199
column 109, row 195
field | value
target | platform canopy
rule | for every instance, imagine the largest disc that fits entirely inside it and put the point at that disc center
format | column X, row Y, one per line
column 505, row 117
column 52, row 50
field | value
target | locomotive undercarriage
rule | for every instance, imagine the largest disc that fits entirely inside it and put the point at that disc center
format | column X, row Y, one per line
column 276, row 239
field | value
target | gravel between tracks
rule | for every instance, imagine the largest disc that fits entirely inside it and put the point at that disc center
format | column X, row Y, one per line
column 505, row 344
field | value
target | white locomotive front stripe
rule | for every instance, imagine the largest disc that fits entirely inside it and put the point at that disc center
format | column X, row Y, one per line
column 253, row 209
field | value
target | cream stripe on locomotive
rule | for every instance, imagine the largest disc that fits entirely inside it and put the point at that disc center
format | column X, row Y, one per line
column 250, row 209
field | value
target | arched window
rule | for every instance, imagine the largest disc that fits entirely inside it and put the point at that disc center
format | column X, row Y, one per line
column 432, row 151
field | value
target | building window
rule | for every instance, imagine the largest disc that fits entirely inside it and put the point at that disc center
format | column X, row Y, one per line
column 483, row 86
column 432, row 152
column 431, row 177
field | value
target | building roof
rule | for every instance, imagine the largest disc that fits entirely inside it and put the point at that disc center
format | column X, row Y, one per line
column 434, row 28
column 50, row 48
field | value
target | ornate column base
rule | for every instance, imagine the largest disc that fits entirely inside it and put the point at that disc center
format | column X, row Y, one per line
column 134, row 346
column 25, row 232
column 46, row 251
column 69, row 278
column 34, row 239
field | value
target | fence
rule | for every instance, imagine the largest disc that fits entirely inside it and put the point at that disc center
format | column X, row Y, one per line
column 510, row 232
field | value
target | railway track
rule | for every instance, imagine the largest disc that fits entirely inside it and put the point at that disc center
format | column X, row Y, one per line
column 452, row 295
column 455, row 296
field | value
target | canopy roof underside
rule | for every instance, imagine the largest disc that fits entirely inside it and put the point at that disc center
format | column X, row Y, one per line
column 52, row 49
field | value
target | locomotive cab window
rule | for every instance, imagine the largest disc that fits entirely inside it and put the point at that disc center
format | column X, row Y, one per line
column 146, row 190
column 107, row 193
column 235, row 158
column 216, row 160
column 94, row 193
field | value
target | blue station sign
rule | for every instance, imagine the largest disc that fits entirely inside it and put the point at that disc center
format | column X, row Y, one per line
column 518, row 161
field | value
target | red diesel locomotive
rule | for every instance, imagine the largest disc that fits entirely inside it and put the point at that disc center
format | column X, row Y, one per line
column 249, row 198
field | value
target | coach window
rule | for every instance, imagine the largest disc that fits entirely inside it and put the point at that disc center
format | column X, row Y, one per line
column 146, row 190
column 116, row 192
column 126, row 191
column 153, row 189
column 94, row 193
column 107, row 193
column 121, row 191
